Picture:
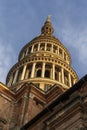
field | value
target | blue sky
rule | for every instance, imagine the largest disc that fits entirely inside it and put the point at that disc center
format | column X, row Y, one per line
column 21, row 21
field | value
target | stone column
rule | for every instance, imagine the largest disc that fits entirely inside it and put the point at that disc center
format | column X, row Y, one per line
column 26, row 74
column 43, row 70
column 32, row 48
column 63, row 54
column 38, row 47
column 70, row 84
column 15, row 77
column 45, row 46
column 58, row 50
column 53, row 70
column 23, row 73
column 62, row 71
column 52, row 48
column 59, row 76
column 33, row 70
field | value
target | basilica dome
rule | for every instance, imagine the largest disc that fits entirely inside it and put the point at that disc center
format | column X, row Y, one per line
column 44, row 61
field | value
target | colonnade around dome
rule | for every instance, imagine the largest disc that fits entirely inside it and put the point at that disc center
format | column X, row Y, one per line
column 49, row 47
column 40, row 71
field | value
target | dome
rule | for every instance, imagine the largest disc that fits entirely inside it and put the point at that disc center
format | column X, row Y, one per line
column 44, row 61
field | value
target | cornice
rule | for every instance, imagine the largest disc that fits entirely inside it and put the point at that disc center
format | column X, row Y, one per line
column 6, row 92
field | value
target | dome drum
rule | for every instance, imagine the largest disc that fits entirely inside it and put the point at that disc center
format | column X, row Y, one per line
column 33, row 71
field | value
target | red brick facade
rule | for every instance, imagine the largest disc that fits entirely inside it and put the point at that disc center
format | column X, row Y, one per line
column 67, row 112
column 17, row 108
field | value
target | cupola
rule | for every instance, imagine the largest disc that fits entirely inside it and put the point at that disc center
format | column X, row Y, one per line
column 47, row 29
column 44, row 61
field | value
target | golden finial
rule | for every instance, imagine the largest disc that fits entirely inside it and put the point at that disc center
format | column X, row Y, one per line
column 48, row 18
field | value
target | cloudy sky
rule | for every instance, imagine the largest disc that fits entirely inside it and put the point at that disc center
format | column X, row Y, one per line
column 21, row 21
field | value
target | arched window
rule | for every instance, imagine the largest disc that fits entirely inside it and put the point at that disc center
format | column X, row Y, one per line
column 56, row 76
column 38, row 73
column 48, row 47
column 47, row 73
column 60, row 52
column 29, row 74
column 29, row 49
column 38, row 69
column 42, row 46
column 55, row 49
column 36, row 47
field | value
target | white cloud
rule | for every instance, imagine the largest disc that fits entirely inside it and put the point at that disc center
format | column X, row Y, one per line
column 6, row 59
column 76, row 41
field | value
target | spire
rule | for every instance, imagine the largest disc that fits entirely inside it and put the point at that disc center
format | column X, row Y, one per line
column 47, row 29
